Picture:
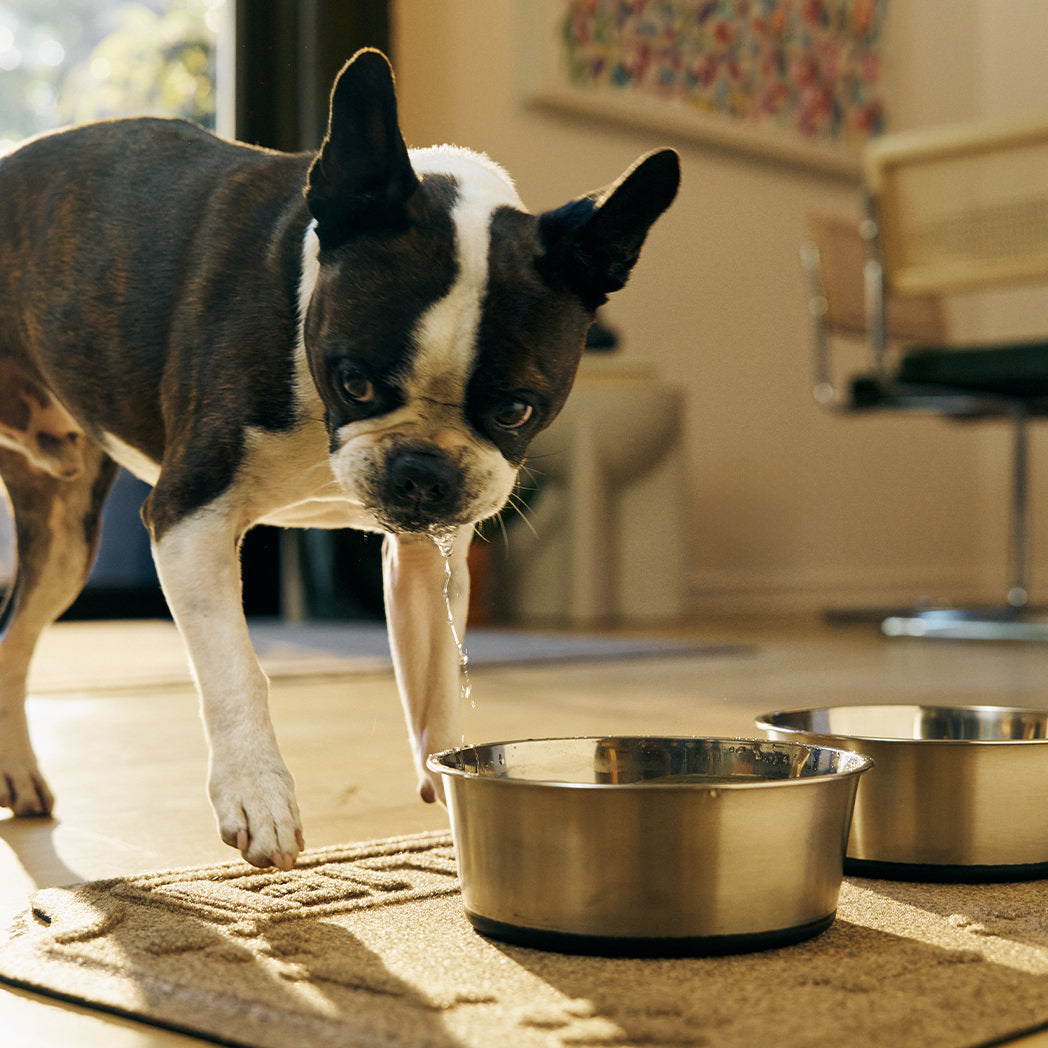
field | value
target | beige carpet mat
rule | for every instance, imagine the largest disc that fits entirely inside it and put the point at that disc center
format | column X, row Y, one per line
column 368, row 946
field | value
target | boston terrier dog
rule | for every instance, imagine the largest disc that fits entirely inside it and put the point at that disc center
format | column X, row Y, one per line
column 365, row 337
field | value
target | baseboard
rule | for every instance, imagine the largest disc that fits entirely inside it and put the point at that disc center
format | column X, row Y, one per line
column 118, row 602
column 844, row 591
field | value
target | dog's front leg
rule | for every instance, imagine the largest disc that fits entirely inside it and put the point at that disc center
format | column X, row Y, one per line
column 426, row 657
column 251, row 789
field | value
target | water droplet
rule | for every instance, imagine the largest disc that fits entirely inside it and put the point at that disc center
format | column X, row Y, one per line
column 445, row 542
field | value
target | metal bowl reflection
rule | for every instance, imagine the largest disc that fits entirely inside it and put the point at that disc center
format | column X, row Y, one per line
column 650, row 846
column 958, row 792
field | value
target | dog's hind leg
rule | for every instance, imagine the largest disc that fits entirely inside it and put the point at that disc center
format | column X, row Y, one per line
column 56, row 530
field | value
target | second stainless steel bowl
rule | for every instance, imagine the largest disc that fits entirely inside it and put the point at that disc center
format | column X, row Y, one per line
column 957, row 792
column 644, row 845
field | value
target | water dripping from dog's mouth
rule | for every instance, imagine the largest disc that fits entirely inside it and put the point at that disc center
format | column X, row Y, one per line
column 444, row 540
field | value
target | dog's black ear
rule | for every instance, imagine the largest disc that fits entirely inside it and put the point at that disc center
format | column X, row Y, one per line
column 362, row 178
column 591, row 244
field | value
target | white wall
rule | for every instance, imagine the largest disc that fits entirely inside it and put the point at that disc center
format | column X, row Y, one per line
column 789, row 507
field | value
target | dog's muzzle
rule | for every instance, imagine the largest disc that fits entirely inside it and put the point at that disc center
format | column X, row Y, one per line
column 420, row 489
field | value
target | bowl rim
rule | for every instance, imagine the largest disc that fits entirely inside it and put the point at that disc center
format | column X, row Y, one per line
column 765, row 722
column 860, row 763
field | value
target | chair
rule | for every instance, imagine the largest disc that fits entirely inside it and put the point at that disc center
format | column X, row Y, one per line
column 950, row 212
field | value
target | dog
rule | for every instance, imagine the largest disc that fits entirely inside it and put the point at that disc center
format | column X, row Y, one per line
column 364, row 337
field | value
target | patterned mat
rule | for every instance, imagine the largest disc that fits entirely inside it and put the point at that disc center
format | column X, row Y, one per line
column 367, row 945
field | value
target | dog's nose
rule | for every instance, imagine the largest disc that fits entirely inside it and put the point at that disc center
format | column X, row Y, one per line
column 422, row 486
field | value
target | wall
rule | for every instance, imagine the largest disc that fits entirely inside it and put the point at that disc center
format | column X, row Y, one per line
column 789, row 507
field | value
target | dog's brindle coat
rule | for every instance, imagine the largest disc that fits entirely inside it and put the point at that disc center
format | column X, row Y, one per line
column 365, row 338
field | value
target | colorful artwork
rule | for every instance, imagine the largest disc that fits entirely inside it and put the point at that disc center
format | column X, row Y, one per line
column 809, row 67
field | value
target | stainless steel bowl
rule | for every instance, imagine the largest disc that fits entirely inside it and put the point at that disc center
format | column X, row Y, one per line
column 650, row 846
column 957, row 793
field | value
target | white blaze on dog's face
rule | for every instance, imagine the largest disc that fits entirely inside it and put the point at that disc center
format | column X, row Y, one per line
column 444, row 323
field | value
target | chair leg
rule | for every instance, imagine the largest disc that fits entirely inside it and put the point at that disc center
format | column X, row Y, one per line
column 1019, row 592
column 1006, row 623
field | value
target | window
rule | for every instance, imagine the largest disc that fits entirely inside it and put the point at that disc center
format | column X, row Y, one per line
column 70, row 61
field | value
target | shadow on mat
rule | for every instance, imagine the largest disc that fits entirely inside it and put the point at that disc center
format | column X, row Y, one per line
column 306, row 982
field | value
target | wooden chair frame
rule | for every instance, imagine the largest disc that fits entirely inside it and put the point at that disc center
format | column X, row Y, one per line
column 948, row 211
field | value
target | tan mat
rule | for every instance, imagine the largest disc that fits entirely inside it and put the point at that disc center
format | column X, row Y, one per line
column 367, row 945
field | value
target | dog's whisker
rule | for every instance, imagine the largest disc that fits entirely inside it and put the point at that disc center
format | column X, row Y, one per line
column 502, row 529
column 519, row 506
column 556, row 453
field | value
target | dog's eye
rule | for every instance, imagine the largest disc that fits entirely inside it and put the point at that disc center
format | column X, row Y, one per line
column 355, row 387
column 512, row 414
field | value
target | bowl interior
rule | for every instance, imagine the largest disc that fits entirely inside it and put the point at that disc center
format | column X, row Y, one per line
column 915, row 723
column 648, row 761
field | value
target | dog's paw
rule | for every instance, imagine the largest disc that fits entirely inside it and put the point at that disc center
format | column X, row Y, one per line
column 23, row 789
column 431, row 789
column 258, row 815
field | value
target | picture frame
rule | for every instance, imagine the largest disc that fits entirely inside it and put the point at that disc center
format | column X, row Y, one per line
column 795, row 82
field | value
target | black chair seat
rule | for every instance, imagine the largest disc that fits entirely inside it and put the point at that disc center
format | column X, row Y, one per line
column 979, row 381
column 1011, row 370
